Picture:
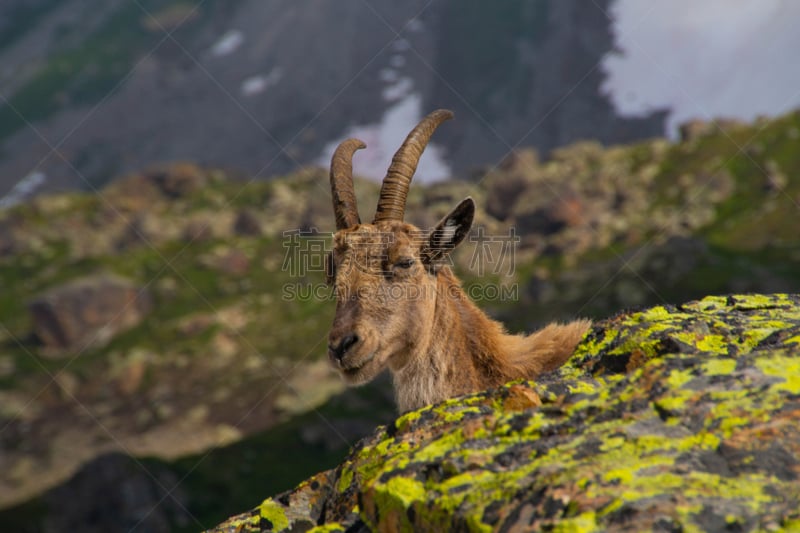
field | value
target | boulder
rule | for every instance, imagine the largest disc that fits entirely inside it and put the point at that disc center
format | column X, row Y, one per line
column 673, row 418
column 247, row 224
column 178, row 180
column 694, row 129
column 87, row 312
column 506, row 184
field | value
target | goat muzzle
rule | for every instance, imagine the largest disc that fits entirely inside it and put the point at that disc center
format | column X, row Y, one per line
column 339, row 349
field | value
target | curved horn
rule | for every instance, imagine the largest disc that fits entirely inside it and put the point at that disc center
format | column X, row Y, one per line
column 392, row 202
column 344, row 196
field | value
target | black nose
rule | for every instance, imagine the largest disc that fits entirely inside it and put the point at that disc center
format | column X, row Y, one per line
column 341, row 349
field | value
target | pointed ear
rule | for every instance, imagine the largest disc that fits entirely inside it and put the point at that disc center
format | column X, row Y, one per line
column 449, row 232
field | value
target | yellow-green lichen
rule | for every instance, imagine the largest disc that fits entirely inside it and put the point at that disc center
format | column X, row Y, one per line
column 393, row 498
column 792, row 524
column 583, row 523
column 405, row 490
column 713, row 343
column 637, row 344
column 699, row 441
column 702, row 341
column 370, row 459
column 581, row 387
column 345, row 477
column 762, row 301
column 679, row 378
column 407, row 420
column 746, row 489
column 275, row 513
column 718, row 366
column 675, row 402
column 332, row 527
column 753, row 336
column 728, row 424
column 784, row 367
column 470, row 477
column 736, row 408
column 441, row 446
column 589, row 346
column 622, row 475
column 655, row 314
column 709, row 303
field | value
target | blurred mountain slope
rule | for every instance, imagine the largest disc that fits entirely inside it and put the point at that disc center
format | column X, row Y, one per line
column 264, row 86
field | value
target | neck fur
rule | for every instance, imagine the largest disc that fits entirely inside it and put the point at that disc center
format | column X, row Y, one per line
column 466, row 351
column 460, row 354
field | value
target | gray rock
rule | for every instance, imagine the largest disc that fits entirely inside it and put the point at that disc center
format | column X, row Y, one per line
column 87, row 312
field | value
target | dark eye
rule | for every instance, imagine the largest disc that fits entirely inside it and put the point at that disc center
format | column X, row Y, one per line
column 406, row 262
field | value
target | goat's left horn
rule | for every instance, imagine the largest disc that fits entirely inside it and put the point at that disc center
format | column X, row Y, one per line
column 344, row 196
column 394, row 191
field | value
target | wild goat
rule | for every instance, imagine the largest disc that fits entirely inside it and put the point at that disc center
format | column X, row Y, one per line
column 400, row 306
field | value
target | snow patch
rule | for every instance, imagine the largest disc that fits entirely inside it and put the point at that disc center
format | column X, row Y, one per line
column 398, row 90
column 384, row 138
column 388, row 75
column 228, row 43
column 415, row 25
column 261, row 82
column 716, row 58
column 23, row 189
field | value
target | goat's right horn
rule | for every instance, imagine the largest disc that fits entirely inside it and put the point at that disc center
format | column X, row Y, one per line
column 344, row 196
column 394, row 191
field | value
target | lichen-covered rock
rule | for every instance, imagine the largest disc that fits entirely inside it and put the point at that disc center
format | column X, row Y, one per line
column 674, row 418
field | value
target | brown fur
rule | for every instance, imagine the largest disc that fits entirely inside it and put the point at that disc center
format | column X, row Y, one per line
column 411, row 316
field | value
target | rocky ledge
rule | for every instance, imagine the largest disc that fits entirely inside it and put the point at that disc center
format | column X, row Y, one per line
column 673, row 418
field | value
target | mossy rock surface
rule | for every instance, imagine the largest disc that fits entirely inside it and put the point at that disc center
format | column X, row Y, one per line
column 673, row 418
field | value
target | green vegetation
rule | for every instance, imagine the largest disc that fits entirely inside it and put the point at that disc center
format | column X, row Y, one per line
column 89, row 71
